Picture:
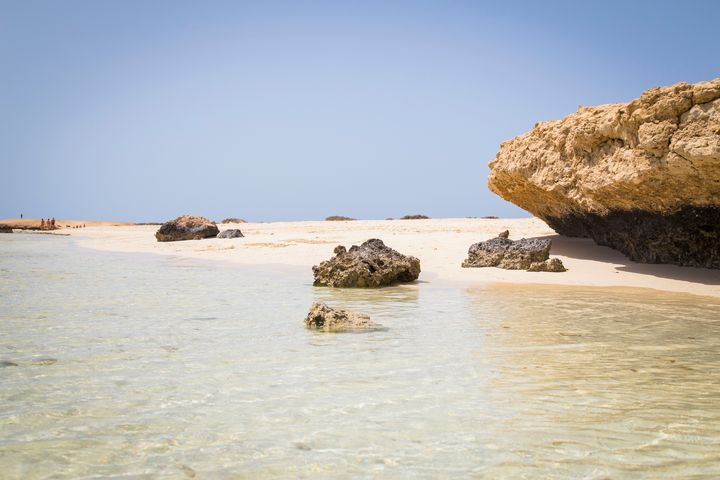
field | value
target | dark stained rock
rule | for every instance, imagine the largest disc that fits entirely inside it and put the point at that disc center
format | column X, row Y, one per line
column 5, row 229
column 322, row 317
column 338, row 218
column 187, row 227
column 231, row 233
column 371, row 264
column 7, row 363
column 690, row 236
column 525, row 254
column 414, row 217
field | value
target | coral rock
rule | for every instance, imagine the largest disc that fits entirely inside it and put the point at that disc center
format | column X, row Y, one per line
column 372, row 264
column 231, row 233
column 186, row 227
column 322, row 317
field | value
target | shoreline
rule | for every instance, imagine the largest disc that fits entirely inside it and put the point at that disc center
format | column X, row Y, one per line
column 440, row 244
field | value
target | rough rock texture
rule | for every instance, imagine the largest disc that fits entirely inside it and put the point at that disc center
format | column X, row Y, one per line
column 642, row 177
column 338, row 218
column 414, row 217
column 231, row 233
column 551, row 265
column 322, row 317
column 5, row 229
column 186, row 227
column 505, row 253
column 372, row 264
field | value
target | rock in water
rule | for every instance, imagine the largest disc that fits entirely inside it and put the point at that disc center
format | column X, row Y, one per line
column 186, row 227
column 231, row 233
column 322, row 317
column 372, row 264
column 504, row 253
column 642, row 177
column 5, row 228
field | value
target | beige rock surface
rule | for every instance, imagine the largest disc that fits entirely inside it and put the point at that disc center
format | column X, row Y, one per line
column 620, row 173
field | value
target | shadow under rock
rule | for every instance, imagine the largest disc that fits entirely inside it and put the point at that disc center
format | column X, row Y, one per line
column 587, row 249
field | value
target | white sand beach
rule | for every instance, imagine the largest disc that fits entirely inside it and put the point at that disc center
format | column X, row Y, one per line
column 440, row 244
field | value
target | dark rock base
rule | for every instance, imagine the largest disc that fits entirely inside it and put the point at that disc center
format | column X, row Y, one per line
column 690, row 237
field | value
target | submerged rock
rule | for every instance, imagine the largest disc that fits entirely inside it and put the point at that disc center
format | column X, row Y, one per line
column 642, row 177
column 187, row 227
column 322, row 317
column 5, row 229
column 231, row 233
column 371, row 264
column 7, row 363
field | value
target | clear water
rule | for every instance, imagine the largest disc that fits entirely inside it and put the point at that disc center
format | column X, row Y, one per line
column 154, row 367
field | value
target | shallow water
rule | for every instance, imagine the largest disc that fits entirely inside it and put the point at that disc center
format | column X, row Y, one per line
column 157, row 367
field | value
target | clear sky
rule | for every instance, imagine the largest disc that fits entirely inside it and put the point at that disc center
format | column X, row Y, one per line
column 272, row 110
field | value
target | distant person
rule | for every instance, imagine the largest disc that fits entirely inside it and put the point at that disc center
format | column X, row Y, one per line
column 42, row 224
column 21, row 216
column 52, row 223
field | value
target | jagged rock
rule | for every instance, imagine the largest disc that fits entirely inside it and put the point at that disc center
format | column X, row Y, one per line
column 505, row 253
column 372, row 264
column 233, row 220
column 551, row 265
column 642, row 177
column 414, row 217
column 322, row 317
column 6, row 229
column 338, row 218
column 186, row 227
column 504, row 234
column 231, row 233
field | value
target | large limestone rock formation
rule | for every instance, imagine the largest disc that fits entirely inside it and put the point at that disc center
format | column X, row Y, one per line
column 372, row 264
column 642, row 177
column 186, row 227
column 322, row 317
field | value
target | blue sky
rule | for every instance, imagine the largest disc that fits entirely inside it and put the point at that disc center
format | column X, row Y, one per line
column 145, row 110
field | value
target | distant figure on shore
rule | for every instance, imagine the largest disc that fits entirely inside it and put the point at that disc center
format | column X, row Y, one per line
column 42, row 224
column 21, row 216
column 52, row 224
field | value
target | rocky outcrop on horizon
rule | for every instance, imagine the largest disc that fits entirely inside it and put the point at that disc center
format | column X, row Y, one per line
column 233, row 220
column 642, row 177
column 186, row 227
column 338, row 218
column 327, row 319
column 230, row 233
column 531, row 254
column 371, row 264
